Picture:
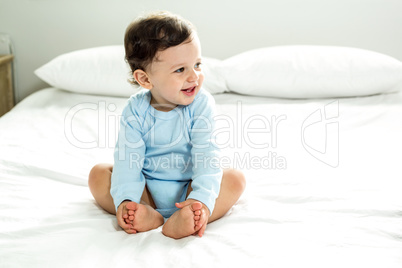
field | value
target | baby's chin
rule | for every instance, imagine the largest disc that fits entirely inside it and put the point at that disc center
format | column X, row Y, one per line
column 189, row 98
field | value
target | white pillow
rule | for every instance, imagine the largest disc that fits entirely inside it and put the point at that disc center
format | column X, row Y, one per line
column 214, row 81
column 99, row 71
column 103, row 71
column 312, row 72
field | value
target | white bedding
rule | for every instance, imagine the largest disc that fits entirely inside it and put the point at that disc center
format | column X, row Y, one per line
column 342, row 208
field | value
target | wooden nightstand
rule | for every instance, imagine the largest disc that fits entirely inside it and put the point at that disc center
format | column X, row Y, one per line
column 6, row 84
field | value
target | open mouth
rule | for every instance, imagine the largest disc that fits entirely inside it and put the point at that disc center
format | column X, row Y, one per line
column 189, row 91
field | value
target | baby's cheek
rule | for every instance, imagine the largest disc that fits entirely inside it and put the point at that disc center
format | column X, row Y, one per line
column 200, row 78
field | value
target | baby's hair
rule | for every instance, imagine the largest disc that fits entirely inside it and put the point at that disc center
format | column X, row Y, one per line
column 155, row 32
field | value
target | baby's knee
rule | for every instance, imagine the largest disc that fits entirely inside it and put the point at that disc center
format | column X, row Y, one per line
column 237, row 180
column 98, row 173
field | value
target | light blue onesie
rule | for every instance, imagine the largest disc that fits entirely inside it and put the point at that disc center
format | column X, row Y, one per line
column 166, row 151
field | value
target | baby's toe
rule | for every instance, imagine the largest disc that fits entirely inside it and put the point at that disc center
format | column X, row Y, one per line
column 131, row 206
column 196, row 206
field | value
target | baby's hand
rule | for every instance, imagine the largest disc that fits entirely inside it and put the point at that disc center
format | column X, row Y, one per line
column 122, row 215
column 200, row 216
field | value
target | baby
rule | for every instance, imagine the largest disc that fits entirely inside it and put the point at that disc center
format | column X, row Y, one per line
column 165, row 162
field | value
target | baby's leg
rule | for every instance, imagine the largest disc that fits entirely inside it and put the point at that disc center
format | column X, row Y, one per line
column 183, row 222
column 99, row 184
column 128, row 217
column 232, row 186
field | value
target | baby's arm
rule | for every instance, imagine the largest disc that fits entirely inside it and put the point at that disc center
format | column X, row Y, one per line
column 128, row 182
column 207, row 174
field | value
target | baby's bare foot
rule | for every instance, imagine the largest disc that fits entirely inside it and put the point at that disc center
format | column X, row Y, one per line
column 184, row 222
column 142, row 217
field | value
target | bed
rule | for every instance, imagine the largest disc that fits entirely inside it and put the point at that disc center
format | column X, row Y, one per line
column 321, row 155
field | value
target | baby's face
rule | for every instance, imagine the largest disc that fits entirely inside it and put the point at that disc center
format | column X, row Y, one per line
column 176, row 75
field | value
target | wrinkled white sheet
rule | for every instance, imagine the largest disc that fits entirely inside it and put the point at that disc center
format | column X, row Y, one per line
column 324, row 189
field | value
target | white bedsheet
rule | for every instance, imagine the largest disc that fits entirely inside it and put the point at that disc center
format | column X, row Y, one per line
column 306, row 204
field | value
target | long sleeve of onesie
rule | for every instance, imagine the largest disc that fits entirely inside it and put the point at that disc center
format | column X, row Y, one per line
column 127, row 180
column 207, row 174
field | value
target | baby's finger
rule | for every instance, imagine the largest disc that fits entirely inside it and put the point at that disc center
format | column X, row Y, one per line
column 131, row 231
column 123, row 222
column 202, row 230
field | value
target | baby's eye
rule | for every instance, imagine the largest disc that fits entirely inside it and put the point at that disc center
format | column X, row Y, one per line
column 198, row 65
column 179, row 70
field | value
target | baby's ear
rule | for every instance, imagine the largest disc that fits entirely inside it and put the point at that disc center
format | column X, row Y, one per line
column 142, row 78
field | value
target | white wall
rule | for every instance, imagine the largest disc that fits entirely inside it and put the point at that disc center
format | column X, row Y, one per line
column 43, row 29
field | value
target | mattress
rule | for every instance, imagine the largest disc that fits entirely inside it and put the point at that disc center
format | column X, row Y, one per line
column 323, row 185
